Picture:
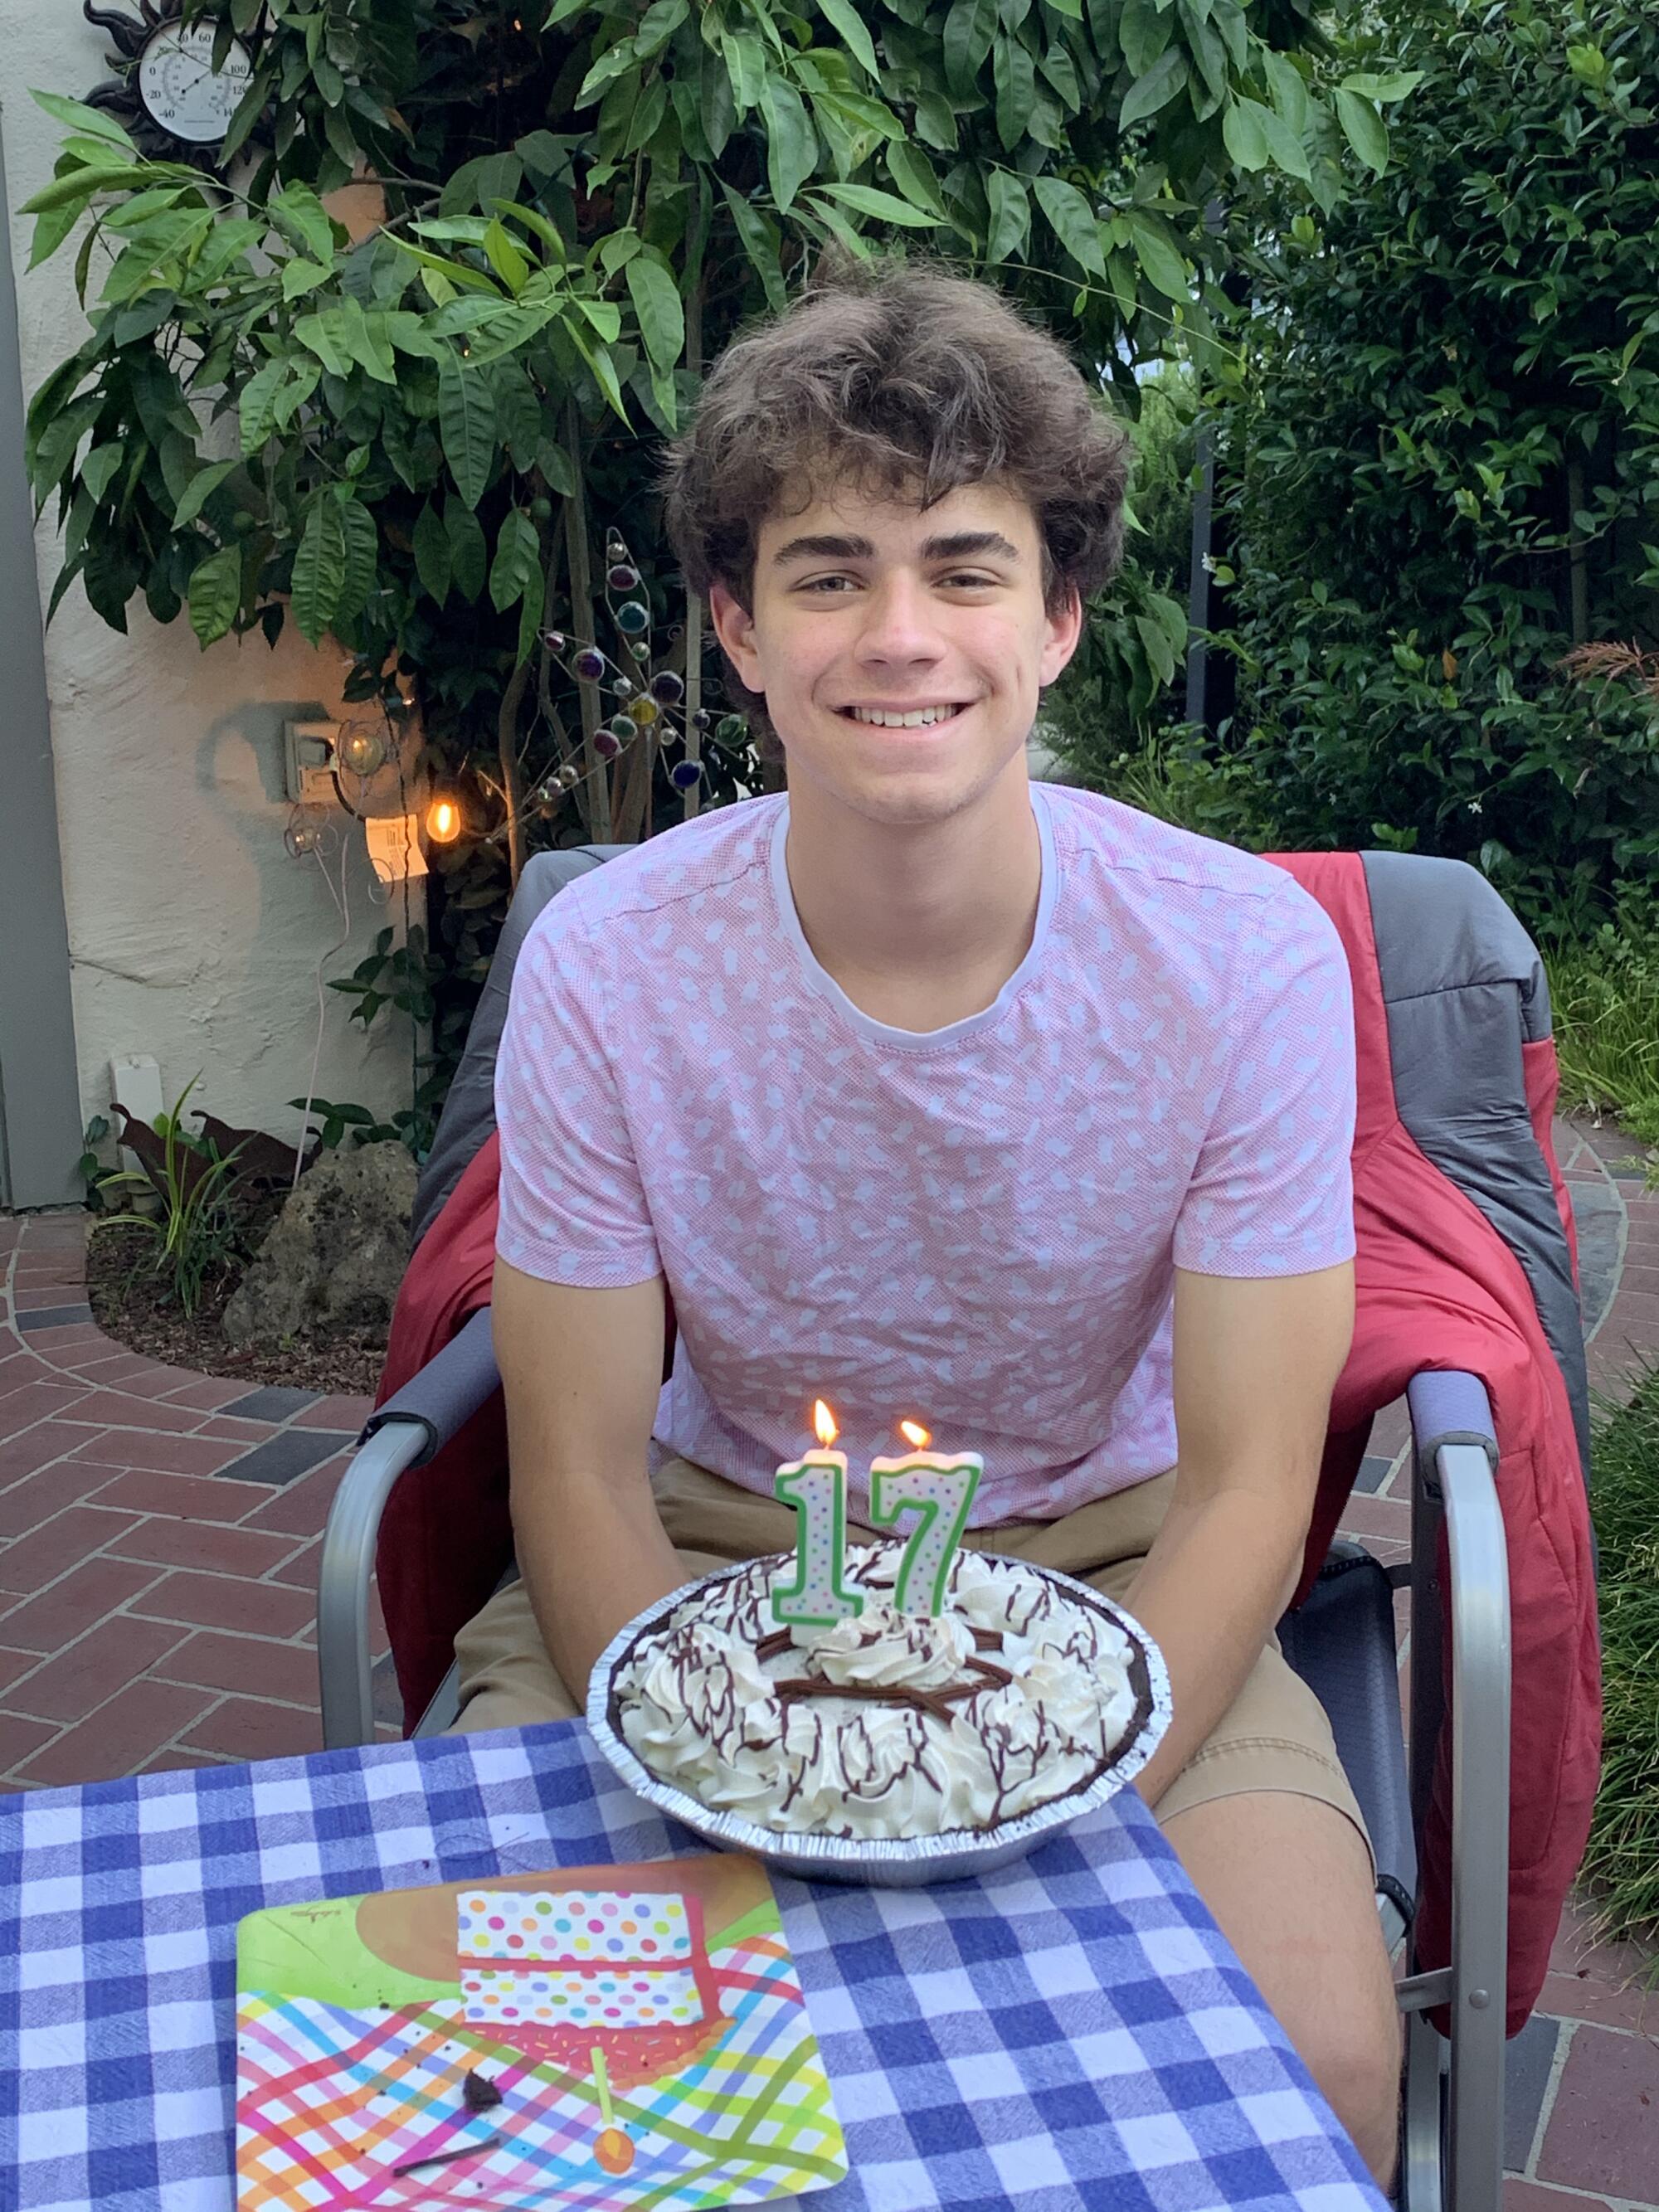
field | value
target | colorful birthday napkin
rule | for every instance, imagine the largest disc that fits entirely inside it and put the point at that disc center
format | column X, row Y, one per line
column 602, row 2037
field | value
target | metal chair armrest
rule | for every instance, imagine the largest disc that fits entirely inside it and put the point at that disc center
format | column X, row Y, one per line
column 1454, row 1482
column 403, row 1433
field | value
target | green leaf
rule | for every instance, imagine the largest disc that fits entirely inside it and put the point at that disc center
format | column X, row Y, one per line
column 362, row 546
column 848, row 21
column 466, row 424
column 1010, row 215
column 1158, row 647
column 1365, row 129
column 604, row 371
column 605, row 315
column 303, row 221
column 1072, row 221
column 100, row 467
column 79, row 186
column 1284, row 149
column 1015, row 82
column 200, row 489
column 970, row 33
column 320, row 568
column 759, row 240
column 1144, row 31
column 467, row 549
column 215, row 593
column 50, row 230
column 1161, row 262
column 792, row 144
column 530, row 620
column 77, row 116
column 432, row 553
column 884, row 207
column 913, row 175
column 256, row 405
column 299, row 276
column 1150, row 93
column 658, row 308
column 518, row 560
column 1242, row 135
column 504, row 256
column 1290, row 94
column 1396, row 84
column 610, row 64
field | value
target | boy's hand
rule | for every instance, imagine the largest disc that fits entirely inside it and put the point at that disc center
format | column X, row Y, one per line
column 581, row 1370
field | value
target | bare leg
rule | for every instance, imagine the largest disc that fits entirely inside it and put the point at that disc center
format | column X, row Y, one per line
column 1289, row 1881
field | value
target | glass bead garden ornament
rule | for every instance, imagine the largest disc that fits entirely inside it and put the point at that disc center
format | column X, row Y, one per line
column 645, row 712
column 622, row 577
column 729, row 729
column 553, row 640
column 568, row 776
column 623, row 727
column 605, row 746
column 625, row 687
column 633, row 616
column 641, row 649
column 589, row 665
column 686, row 776
column 702, row 718
column 667, row 687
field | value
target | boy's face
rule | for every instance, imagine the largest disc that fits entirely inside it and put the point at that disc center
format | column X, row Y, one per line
column 863, row 604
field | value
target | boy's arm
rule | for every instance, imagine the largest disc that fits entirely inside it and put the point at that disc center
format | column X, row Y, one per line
column 1255, row 1362
column 580, row 1371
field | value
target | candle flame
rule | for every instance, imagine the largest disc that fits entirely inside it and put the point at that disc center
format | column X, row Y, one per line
column 912, row 1432
column 824, row 1421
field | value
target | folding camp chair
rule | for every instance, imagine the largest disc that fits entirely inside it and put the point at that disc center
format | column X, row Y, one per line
column 1341, row 1639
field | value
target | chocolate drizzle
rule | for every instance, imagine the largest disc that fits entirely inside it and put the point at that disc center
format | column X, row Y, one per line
column 1016, row 1754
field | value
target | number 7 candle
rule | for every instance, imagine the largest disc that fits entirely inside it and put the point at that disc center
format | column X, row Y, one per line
column 816, row 1486
column 938, row 1486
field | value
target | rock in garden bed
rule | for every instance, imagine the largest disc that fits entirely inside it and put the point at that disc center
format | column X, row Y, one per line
column 332, row 1264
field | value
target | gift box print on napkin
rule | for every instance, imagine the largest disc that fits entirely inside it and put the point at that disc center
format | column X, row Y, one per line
column 606, row 2036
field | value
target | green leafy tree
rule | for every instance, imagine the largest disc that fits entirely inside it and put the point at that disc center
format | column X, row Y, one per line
column 1441, row 457
column 415, row 441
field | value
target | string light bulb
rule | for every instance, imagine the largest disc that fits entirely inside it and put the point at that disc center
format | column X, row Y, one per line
column 443, row 821
column 361, row 750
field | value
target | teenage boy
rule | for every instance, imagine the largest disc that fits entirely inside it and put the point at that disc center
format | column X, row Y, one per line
column 934, row 1093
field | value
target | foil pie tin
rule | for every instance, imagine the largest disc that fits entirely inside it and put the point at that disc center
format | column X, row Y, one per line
column 900, row 1863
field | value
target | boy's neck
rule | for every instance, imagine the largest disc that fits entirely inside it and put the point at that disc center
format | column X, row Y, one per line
column 919, row 925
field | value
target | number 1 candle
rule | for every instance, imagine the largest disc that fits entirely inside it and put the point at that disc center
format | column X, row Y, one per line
column 938, row 1486
column 816, row 1486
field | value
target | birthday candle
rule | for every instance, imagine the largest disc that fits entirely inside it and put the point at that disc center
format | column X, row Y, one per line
column 939, row 1487
column 816, row 1486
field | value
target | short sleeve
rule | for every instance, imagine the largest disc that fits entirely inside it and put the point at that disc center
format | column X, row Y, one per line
column 1272, row 1190
column 572, row 1208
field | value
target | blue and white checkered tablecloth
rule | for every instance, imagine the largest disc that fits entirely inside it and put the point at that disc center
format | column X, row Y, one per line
column 1070, row 2033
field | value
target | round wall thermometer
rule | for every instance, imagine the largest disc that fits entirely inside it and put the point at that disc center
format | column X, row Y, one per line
column 182, row 92
column 167, row 93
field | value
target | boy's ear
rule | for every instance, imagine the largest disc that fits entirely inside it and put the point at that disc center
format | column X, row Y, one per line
column 735, row 629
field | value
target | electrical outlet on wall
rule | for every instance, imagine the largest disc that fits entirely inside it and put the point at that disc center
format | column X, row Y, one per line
column 308, row 762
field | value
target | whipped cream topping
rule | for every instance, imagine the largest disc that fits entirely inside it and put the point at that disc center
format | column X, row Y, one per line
column 888, row 1725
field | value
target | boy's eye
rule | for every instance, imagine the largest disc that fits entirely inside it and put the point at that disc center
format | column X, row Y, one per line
column 963, row 577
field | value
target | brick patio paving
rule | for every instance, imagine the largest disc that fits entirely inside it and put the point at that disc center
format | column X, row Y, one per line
column 158, row 1551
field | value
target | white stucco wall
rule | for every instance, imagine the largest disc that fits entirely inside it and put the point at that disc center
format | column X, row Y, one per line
column 194, row 936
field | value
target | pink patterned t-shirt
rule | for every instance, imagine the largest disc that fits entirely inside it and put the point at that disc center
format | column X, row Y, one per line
column 978, row 1228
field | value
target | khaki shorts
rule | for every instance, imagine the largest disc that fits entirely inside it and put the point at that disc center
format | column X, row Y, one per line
column 1273, row 1736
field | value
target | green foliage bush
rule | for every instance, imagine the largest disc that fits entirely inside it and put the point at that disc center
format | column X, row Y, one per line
column 1440, row 463
column 416, row 442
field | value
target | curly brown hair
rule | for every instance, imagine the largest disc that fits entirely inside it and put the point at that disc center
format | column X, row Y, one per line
column 910, row 382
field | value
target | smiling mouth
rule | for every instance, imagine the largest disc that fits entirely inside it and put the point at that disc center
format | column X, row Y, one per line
column 919, row 718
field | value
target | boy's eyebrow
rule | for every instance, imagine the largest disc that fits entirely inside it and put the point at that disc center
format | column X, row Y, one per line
column 961, row 545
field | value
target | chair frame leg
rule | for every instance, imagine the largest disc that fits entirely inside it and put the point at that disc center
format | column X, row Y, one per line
column 1457, row 1493
column 345, row 1680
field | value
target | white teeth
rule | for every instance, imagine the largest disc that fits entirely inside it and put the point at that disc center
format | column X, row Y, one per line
column 918, row 720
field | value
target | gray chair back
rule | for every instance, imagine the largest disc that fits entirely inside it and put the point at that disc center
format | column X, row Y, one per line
column 469, row 1113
